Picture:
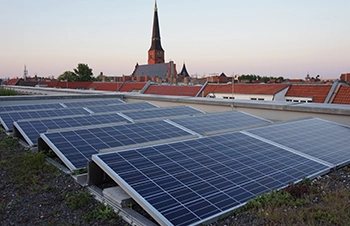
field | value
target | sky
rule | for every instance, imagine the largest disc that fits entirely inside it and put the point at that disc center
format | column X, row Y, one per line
column 262, row 37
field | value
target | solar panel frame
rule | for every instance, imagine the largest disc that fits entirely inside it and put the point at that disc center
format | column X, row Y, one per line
column 221, row 122
column 123, row 107
column 88, row 141
column 30, row 129
column 162, row 113
column 317, row 138
column 169, row 185
column 7, row 119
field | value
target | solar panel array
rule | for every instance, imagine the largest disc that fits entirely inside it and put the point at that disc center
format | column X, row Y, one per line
column 162, row 113
column 93, row 103
column 220, row 122
column 8, row 118
column 123, row 107
column 30, row 107
column 31, row 130
column 76, row 147
column 192, row 181
column 317, row 138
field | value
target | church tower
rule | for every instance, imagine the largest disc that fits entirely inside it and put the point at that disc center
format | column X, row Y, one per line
column 156, row 52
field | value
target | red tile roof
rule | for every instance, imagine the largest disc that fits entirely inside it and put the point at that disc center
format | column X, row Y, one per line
column 70, row 85
column 12, row 82
column 107, row 86
column 191, row 91
column 264, row 89
column 342, row 96
column 318, row 92
column 132, row 86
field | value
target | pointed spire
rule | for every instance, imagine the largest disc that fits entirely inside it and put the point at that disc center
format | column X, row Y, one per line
column 184, row 71
column 156, row 45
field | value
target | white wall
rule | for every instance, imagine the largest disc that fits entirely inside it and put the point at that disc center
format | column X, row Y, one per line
column 238, row 96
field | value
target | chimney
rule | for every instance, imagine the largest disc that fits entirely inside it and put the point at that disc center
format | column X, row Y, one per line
column 186, row 80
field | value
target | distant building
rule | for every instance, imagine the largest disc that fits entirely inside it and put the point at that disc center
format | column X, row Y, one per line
column 272, row 92
column 342, row 96
column 316, row 93
column 156, row 68
column 184, row 72
column 345, row 77
column 222, row 78
column 156, row 52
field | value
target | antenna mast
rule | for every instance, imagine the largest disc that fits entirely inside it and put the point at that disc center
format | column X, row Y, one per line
column 25, row 72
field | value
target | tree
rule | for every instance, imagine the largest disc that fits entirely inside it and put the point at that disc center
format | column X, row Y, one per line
column 84, row 73
column 281, row 79
column 68, row 76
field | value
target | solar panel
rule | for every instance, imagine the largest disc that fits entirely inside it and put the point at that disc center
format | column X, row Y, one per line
column 162, row 113
column 315, row 137
column 123, row 107
column 191, row 182
column 30, row 130
column 93, row 103
column 7, row 119
column 220, row 122
column 75, row 147
column 30, row 107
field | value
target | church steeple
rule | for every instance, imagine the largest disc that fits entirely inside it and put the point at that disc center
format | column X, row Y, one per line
column 156, row 52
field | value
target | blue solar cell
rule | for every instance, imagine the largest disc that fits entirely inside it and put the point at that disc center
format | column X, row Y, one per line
column 220, row 122
column 7, row 119
column 162, row 113
column 93, row 103
column 193, row 179
column 106, row 137
column 31, row 107
column 304, row 136
column 123, row 107
column 31, row 130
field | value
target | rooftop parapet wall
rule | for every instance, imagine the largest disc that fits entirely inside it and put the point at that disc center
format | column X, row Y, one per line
column 272, row 110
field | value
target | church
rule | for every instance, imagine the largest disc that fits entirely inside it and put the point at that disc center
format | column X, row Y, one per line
column 157, row 68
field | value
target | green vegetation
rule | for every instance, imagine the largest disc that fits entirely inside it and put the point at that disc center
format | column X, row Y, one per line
column 7, row 92
column 83, row 73
column 24, row 169
column 258, row 78
column 68, row 76
column 304, row 203
column 8, row 142
column 28, row 174
column 79, row 199
column 102, row 212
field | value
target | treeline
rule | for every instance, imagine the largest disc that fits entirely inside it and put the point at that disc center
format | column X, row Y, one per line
column 258, row 78
column 83, row 73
